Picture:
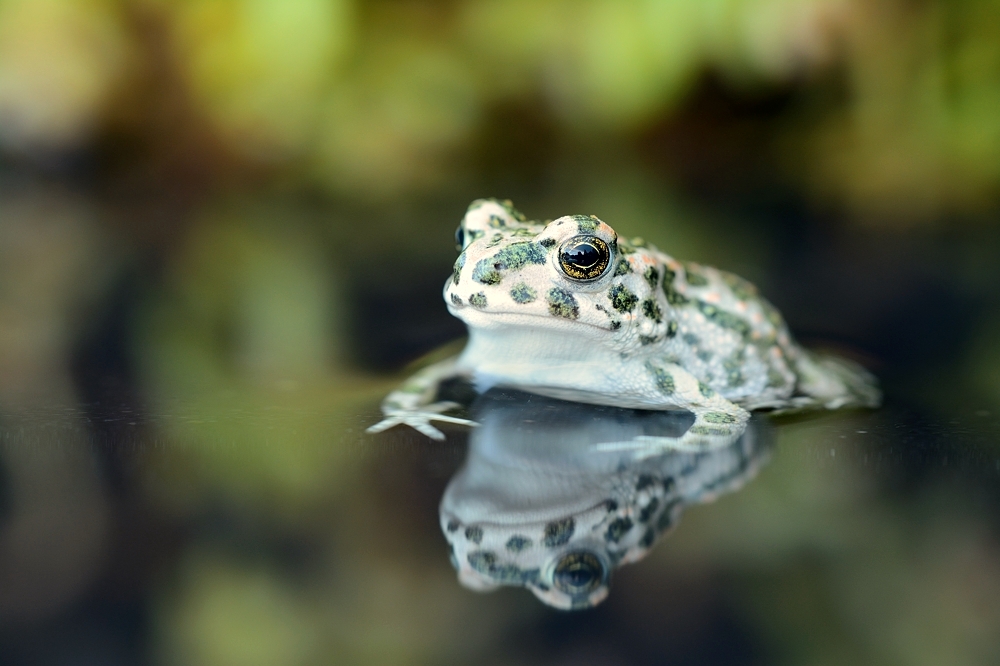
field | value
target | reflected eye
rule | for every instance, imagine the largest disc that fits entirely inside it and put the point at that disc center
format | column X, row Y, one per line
column 578, row 573
column 460, row 238
column 584, row 257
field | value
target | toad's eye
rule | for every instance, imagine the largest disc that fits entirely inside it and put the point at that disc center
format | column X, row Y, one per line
column 584, row 257
column 578, row 573
column 460, row 238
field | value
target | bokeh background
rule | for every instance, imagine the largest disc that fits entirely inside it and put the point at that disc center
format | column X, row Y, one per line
column 223, row 229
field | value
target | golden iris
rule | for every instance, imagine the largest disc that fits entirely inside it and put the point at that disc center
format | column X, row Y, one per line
column 584, row 257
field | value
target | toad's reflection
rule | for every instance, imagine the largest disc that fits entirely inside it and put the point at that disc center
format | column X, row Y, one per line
column 545, row 503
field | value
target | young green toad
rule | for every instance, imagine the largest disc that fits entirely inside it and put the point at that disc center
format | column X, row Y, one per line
column 567, row 309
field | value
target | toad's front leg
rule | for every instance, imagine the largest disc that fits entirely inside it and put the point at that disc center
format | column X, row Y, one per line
column 412, row 404
column 717, row 423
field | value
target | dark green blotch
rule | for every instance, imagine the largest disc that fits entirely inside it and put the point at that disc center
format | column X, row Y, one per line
column 652, row 276
column 674, row 297
column 666, row 519
column 705, row 390
column 559, row 532
column 671, row 329
column 774, row 378
column 719, row 417
column 664, row 380
column 644, row 481
column 708, row 430
column 694, row 278
column 456, row 299
column 547, row 242
column 622, row 299
column 453, row 525
column 648, row 539
column 511, row 258
column 648, row 339
column 651, row 309
column 618, row 528
column 735, row 378
column 478, row 300
column 522, row 293
column 704, row 355
column 587, row 224
column 648, row 510
column 741, row 289
column 474, row 534
column 562, row 304
column 724, row 319
column 622, row 267
column 615, row 324
column 611, row 505
column 497, row 238
column 485, row 562
column 517, row 543
column 457, row 270
column 497, row 222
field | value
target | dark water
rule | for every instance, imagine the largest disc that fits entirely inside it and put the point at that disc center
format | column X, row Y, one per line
column 184, row 477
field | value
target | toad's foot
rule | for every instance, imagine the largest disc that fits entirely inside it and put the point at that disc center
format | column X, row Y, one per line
column 420, row 419
column 711, row 430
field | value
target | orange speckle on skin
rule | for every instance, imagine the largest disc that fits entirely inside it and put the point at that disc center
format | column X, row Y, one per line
column 712, row 297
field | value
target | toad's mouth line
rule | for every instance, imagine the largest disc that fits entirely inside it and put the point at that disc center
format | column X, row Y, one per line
column 513, row 318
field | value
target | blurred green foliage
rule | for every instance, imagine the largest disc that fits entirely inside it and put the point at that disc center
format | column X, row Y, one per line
column 894, row 118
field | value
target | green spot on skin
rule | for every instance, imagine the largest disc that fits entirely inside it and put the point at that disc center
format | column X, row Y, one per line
column 741, row 289
column 511, row 258
column 622, row 267
column 694, row 278
column 664, row 380
column 674, row 297
column 671, row 329
column 522, row 293
column 517, row 543
column 587, row 224
column 559, row 532
column 497, row 222
column 495, row 240
column 547, row 242
column 457, row 269
column 562, row 304
column 705, row 390
column 651, row 309
column 478, row 300
column 708, row 430
column 718, row 417
column 725, row 319
column 652, row 276
column 618, row 528
column 456, row 299
column 622, row 299
column 615, row 324
column 648, row 339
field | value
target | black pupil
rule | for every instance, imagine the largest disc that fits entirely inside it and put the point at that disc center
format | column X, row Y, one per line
column 582, row 255
column 578, row 572
column 460, row 237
